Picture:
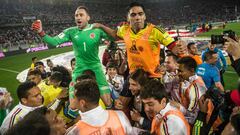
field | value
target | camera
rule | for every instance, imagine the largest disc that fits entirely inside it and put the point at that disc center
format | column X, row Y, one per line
column 229, row 33
column 218, row 39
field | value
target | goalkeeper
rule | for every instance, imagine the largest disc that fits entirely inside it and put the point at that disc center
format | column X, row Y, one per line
column 86, row 40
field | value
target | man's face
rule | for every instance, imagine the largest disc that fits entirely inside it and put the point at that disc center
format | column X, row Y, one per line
column 136, row 17
column 183, row 73
column 81, row 18
column 170, row 63
column 56, row 123
column 35, row 78
column 111, row 72
column 211, row 46
column 193, row 49
column 134, row 87
column 50, row 64
column 41, row 68
column 34, row 98
column 214, row 59
column 153, row 105
column 54, row 83
column 73, row 65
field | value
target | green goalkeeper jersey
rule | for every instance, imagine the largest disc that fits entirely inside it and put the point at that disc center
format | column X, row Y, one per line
column 85, row 43
column 85, row 46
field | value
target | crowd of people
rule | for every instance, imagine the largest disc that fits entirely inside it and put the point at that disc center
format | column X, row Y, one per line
column 142, row 92
column 15, row 14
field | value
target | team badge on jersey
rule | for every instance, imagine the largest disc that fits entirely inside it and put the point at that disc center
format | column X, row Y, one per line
column 92, row 35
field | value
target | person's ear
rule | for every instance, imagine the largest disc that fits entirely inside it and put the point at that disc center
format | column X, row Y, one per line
column 82, row 103
column 23, row 101
column 88, row 18
column 164, row 102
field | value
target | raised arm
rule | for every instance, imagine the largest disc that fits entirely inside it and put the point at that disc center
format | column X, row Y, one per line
column 109, row 31
column 53, row 41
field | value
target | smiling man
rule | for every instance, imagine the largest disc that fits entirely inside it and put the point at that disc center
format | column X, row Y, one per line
column 86, row 41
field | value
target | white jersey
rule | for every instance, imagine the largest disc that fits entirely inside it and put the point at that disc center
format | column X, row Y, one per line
column 99, row 116
column 16, row 114
column 174, row 125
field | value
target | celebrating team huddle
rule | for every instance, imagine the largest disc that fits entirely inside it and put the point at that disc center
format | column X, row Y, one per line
column 137, row 95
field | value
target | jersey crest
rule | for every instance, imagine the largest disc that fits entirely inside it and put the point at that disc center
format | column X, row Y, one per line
column 92, row 35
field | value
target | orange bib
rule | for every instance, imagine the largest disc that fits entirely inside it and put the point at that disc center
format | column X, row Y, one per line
column 112, row 126
column 140, row 54
column 158, row 124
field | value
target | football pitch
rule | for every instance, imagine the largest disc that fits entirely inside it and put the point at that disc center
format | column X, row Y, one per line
column 230, row 26
column 11, row 66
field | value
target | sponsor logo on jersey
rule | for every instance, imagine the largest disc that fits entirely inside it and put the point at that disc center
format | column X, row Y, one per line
column 133, row 48
column 92, row 35
column 61, row 35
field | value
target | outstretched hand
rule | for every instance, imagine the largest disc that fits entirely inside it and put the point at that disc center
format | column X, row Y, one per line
column 37, row 26
column 233, row 47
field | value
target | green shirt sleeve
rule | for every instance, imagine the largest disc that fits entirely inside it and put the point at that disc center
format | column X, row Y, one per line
column 59, row 39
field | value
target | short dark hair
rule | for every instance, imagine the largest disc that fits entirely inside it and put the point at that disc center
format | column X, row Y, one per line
column 188, row 62
column 23, row 88
column 140, row 76
column 38, row 63
column 84, row 8
column 84, row 77
column 34, row 123
column 135, row 4
column 209, row 54
column 87, row 90
column 170, row 54
column 34, row 72
column 33, row 58
column 190, row 44
column 72, row 60
column 153, row 89
column 48, row 60
column 57, row 76
column 111, row 64
column 66, row 76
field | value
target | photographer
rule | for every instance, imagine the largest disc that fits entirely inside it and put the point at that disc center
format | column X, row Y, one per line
column 221, row 63
column 233, row 49
column 219, row 107
column 109, row 53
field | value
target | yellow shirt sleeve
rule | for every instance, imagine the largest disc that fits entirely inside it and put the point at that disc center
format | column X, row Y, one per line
column 162, row 36
column 122, row 30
